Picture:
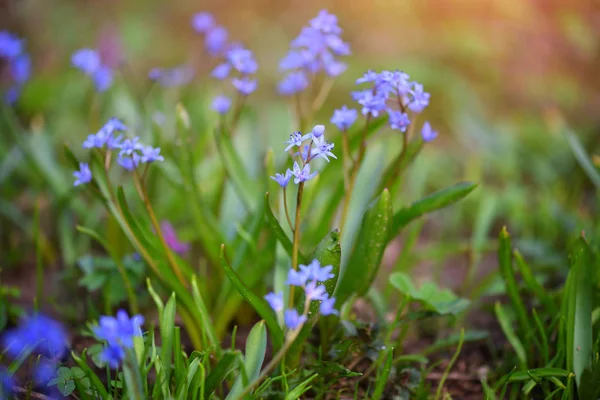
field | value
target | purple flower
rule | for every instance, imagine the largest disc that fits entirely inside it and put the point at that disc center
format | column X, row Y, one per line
column 427, row 133
column 242, row 60
column 323, row 148
column 317, row 131
column 283, row 179
column 112, row 125
column 216, row 40
column 7, row 380
column 12, row 94
column 20, row 68
column 84, row 175
column 221, row 104
column 292, row 319
column 326, row 22
column 401, row 83
column 10, row 45
column 296, row 278
column 275, row 301
column 39, row 334
column 296, row 139
column 372, row 104
column 178, row 76
column 105, row 135
column 244, row 85
column 221, row 71
column 119, row 330
column 294, row 82
column 202, row 22
column 44, row 371
column 313, row 271
column 172, row 240
column 369, row 76
column 151, row 154
column 344, row 118
column 314, row 291
column 129, row 163
column 326, row 306
column 302, row 175
column 87, row 60
column 399, row 120
column 103, row 78
column 93, row 140
column 420, row 99
column 129, row 146
column 112, row 355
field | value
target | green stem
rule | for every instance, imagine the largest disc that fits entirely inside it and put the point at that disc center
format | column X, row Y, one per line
column 287, row 213
column 296, row 244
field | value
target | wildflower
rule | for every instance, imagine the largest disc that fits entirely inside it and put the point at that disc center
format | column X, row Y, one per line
column 84, row 175
column 275, row 301
column 7, row 380
column 323, row 148
column 90, row 62
column 221, row 104
column 129, row 146
column 294, row 82
column 427, row 133
column 38, row 333
column 399, row 120
column 112, row 125
column 128, row 163
column 326, row 306
column 203, row 22
column 317, row 131
column 313, row 271
column 216, row 40
column 20, row 68
column 44, row 371
column 244, row 85
column 242, row 60
column 344, row 118
column 119, row 330
column 369, row 76
column 113, row 355
column 283, row 179
column 297, row 278
column 302, row 175
column 10, row 45
column 172, row 240
column 314, row 291
column 151, row 154
column 420, row 99
column 221, row 71
column 296, row 139
column 178, row 76
column 292, row 319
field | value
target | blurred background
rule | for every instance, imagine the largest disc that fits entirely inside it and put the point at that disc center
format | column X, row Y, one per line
column 507, row 78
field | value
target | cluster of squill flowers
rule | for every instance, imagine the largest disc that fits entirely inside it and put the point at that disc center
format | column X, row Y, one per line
column 19, row 64
column 310, row 278
column 131, row 153
column 235, row 61
column 118, row 333
column 90, row 63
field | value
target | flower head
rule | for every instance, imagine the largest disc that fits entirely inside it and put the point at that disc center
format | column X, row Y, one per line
column 10, row 45
column 296, row 278
column 323, row 148
column 20, row 68
column 129, row 163
column 151, row 154
column 39, row 334
column 372, row 103
column 244, row 85
column 119, row 330
column 112, row 355
column 315, row 272
column 294, row 82
column 326, row 306
column 420, row 99
column 427, row 133
column 242, row 60
column 203, row 22
column 399, row 120
column 292, row 319
column 7, row 381
column 221, row 71
column 172, row 240
column 275, row 300
column 344, row 118
column 296, row 139
column 302, row 174
column 87, row 60
column 216, row 40
column 283, row 179
column 221, row 104
column 84, row 175
column 314, row 291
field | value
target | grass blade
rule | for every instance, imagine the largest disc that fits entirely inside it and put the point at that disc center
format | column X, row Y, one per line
column 256, row 347
column 506, row 325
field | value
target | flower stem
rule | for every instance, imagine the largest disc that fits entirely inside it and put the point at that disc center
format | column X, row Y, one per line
column 296, row 244
column 287, row 213
column 144, row 194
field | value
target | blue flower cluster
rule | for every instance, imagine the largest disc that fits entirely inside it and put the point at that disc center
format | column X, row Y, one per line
column 42, row 337
column 308, row 277
column 314, row 51
column 317, row 147
column 131, row 151
column 178, row 76
column 391, row 92
column 19, row 64
column 90, row 62
column 237, row 62
column 118, row 332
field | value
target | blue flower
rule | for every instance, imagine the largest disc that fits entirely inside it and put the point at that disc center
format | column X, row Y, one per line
column 315, row 291
column 10, row 45
column 203, row 22
column 87, row 60
column 427, row 133
column 323, row 148
column 296, row 278
column 296, row 139
column 44, row 371
column 221, row 104
column 221, row 71
column 283, row 179
column 20, row 68
column 302, row 175
column 420, row 99
column 326, row 22
column 129, row 163
column 84, row 175
column 102, row 78
column 151, row 154
column 326, row 306
column 242, row 60
column 369, row 76
column 275, row 301
column 178, row 76
column 372, row 103
column 129, row 146
column 12, row 94
column 105, row 135
column 399, row 120
column 7, row 380
column 119, row 330
column 216, row 40
column 313, row 271
column 112, row 355
column 344, row 118
column 244, row 85
column 112, row 125
column 294, row 82
column 317, row 132
column 38, row 333
column 292, row 319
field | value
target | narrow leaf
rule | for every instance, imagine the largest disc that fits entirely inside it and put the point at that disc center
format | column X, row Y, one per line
column 256, row 347
column 506, row 325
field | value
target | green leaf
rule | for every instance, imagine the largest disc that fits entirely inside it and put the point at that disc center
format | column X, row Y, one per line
column 206, row 322
column 259, row 304
column 433, row 202
column 512, row 288
column 278, row 230
column 220, row 371
column 534, row 286
column 583, row 160
column 97, row 384
column 362, row 267
column 506, row 325
column 256, row 347
column 300, row 389
column 334, row 371
column 538, row 373
column 167, row 325
column 382, row 377
column 329, row 252
column 579, row 310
